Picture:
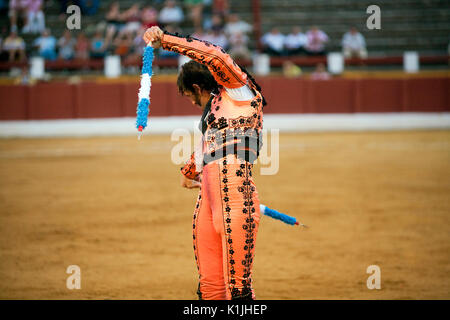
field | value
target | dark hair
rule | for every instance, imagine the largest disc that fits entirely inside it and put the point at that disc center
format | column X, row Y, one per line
column 193, row 72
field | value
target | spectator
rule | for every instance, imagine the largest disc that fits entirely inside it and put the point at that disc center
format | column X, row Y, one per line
column 114, row 22
column 123, row 44
column 24, row 77
column 295, row 42
column 316, row 41
column 138, row 45
column 35, row 17
column 215, row 23
column 218, row 38
column 132, row 19
column 291, row 70
column 66, row 46
column 171, row 13
column 89, row 7
column 82, row 47
column 195, row 11
column 320, row 73
column 66, row 3
column 15, row 46
column 16, row 8
column 235, row 25
column 46, row 45
column 273, row 42
column 239, row 46
column 98, row 46
column 149, row 17
column 221, row 7
column 354, row 44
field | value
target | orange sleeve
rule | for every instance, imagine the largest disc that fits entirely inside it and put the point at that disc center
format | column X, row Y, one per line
column 225, row 71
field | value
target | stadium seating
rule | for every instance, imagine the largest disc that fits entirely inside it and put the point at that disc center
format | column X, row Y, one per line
column 418, row 25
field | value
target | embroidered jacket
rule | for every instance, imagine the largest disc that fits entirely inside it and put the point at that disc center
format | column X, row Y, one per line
column 228, row 126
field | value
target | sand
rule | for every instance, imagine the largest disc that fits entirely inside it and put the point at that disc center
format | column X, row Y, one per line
column 113, row 206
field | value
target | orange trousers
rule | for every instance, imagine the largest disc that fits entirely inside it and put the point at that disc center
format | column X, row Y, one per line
column 225, row 224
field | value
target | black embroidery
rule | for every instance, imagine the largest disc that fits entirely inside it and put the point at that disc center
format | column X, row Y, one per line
column 194, row 233
column 211, row 118
column 223, row 123
column 227, row 222
column 247, row 192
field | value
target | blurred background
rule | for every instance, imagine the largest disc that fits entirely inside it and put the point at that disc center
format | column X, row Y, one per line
column 288, row 44
column 363, row 144
column 280, row 28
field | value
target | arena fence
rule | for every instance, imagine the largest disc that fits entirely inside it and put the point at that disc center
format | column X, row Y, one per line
column 61, row 100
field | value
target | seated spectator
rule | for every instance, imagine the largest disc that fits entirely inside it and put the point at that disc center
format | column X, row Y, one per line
column 14, row 46
column 98, row 46
column 316, row 41
column 46, row 45
column 235, row 25
column 239, row 46
column 24, row 77
column 195, row 8
column 291, row 70
column 66, row 46
column 295, row 42
column 17, row 8
column 320, row 73
column 149, row 17
column 221, row 8
column 218, row 38
column 132, row 19
column 89, row 7
column 66, row 3
column 138, row 45
column 123, row 44
column 215, row 23
column 114, row 21
column 354, row 44
column 35, row 17
column 171, row 13
column 82, row 47
column 273, row 42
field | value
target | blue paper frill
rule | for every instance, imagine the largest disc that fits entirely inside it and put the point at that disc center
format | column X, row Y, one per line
column 147, row 60
column 280, row 216
column 142, row 113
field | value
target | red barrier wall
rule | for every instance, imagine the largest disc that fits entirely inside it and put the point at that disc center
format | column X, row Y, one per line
column 99, row 100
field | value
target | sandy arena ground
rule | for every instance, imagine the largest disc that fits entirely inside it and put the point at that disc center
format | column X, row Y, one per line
column 114, row 207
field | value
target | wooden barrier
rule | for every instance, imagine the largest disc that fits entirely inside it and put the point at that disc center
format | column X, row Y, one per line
column 303, row 61
column 60, row 100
